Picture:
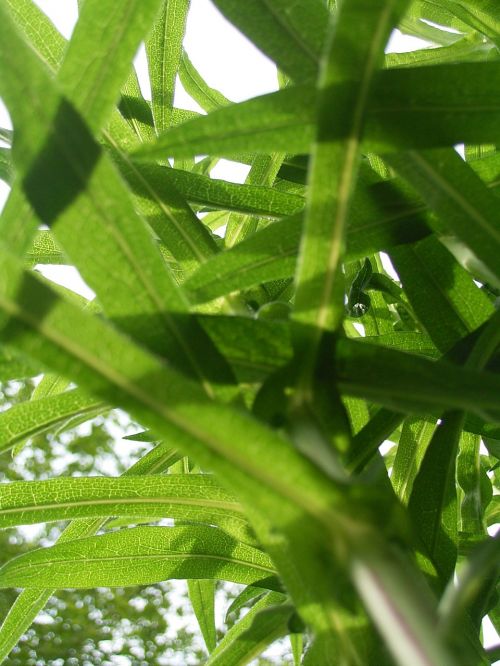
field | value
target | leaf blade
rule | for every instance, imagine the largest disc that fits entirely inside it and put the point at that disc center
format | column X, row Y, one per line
column 113, row 560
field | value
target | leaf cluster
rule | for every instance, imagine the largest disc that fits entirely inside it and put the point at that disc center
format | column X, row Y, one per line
column 348, row 299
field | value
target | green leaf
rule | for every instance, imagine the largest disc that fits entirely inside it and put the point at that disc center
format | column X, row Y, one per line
column 141, row 556
column 463, row 202
column 270, row 254
column 110, row 365
column 202, row 597
column 493, row 511
column 215, row 193
column 44, row 250
column 297, row 643
column 482, row 15
column 136, row 110
column 40, row 31
column 281, row 121
column 414, row 384
column 161, row 204
column 470, row 48
column 473, row 593
column 241, row 451
column 100, row 53
column 246, row 598
column 372, row 435
column 333, row 172
column 443, row 295
column 193, row 83
column 191, row 497
column 408, row 108
column 470, row 481
column 433, row 503
column 34, row 417
column 6, row 171
column 414, row 440
column 164, row 49
column 291, row 35
column 254, row 347
column 407, row 628
column 165, row 209
column 264, row 623
column 263, row 172
column 410, row 341
column 433, row 106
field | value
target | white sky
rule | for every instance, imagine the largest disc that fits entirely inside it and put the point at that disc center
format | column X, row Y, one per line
column 229, row 63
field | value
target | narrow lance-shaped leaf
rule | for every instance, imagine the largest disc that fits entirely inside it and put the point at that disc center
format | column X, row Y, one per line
column 202, row 597
column 320, row 293
column 34, row 417
column 162, row 399
column 264, row 623
column 292, row 35
column 165, row 209
column 164, row 50
column 469, row 48
column 405, row 626
column 408, row 108
column 264, row 256
column 443, row 295
column 433, row 504
column 281, row 121
column 136, row 110
column 430, row 11
column 190, row 497
column 214, row 193
column 262, row 173
column 366, row 442
column 208, row 98
column 411, row 383
column 464, row 204
column 477, row 583
column 471, row 479
column 413, row 442
column 81, row 345
column 32, row 20
column 100, row 54
column 174, row 221
column 482, row 15
column 433, row 106
column 141, row 556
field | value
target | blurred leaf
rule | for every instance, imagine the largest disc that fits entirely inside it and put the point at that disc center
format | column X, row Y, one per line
column 291, row 35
